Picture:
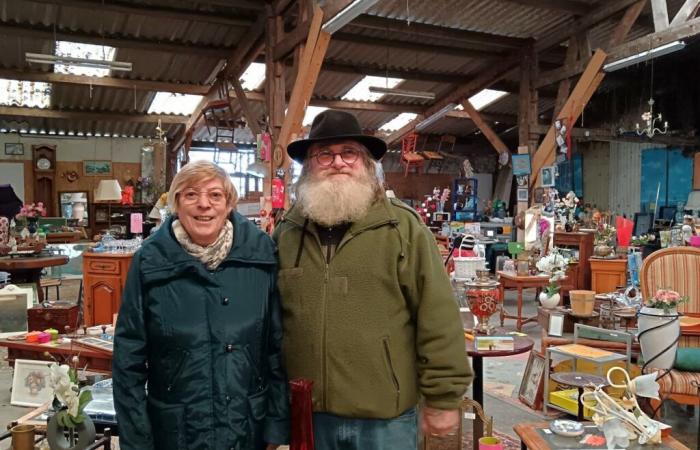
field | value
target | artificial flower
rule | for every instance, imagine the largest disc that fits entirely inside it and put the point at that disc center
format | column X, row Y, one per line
column 665, row 299
column 616, row 435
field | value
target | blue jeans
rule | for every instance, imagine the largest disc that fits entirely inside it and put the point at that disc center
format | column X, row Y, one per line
column 344, row 433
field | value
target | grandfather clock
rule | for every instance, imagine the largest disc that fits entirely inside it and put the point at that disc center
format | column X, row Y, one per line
column 44, row 166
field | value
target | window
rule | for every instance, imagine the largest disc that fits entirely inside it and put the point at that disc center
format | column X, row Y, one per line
column 236, row 165
column 398, row 122
column 360, row 92
column 170, row 103
column 85, row 51
column 253, row 76
column 484, row 98
column 33, row 94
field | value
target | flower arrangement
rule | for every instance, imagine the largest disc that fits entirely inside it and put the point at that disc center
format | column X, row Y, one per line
column 665, row 299
column 555, row 266
column 31, row 210
column 643, row 239
column 68, row 400
column 604, row 234
column 565, row 209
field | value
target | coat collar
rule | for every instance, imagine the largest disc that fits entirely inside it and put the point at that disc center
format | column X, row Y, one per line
column 163, row 257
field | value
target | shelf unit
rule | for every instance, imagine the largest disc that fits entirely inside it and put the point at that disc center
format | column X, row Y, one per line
column 578, row 275
column 100, row 220
column 465, row 199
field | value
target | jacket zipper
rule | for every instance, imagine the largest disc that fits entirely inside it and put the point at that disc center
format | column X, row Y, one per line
column 323, row 349
column 178, row 369
column 393, row 373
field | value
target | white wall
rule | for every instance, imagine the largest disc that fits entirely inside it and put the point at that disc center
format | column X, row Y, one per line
column 68, row 149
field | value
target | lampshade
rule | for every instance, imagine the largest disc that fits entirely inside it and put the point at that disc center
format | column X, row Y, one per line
column 693, row 202
column 108, row 190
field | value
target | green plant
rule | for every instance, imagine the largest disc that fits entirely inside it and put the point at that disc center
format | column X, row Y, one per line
column 68, row 400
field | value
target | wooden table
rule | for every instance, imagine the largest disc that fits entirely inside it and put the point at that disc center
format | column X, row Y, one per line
column 579, row 380
column 521, row 345
column 510, row 280
column 28, row 269
column 530, row 438
column 93, row 360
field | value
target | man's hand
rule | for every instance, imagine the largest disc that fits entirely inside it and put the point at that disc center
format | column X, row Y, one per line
column 271, row 447
column 439, row 422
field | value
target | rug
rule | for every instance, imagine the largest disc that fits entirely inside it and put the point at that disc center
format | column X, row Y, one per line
column 447, row 443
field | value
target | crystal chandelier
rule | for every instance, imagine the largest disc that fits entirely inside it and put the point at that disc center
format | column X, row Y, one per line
column 648, row 117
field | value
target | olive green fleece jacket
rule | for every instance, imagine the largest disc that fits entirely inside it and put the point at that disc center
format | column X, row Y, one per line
column 377, row 326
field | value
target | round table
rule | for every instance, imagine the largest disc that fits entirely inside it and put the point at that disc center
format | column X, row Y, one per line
column 521, row 344
column 28, row 269
column 578, row 380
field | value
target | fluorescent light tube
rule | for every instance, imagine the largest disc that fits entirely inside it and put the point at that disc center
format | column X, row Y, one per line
column 435, row 117
column 402, row 92
column 644, row 56
column 80, row 62
column 347, row 15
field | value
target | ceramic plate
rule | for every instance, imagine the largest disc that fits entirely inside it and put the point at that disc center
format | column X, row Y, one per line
column 566, row 427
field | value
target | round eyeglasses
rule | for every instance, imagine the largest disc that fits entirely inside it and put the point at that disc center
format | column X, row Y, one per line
column 191, row 196
column 326, row 157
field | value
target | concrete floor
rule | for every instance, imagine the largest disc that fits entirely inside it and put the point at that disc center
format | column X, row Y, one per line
column 501, row 382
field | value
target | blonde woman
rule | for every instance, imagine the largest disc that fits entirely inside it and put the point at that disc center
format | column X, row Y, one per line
column 200, row 322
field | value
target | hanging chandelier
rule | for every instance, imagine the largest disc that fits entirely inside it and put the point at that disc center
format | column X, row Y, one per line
column 648, row 117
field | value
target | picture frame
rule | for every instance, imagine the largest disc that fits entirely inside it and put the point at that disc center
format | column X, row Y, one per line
column 532, row 384
column 522, row 194
column 548, row 176
column 556, row 325
column 14, row 148
column 30, row 383
column 539, row 195
column 97, row 343
column 14, row 302
column 97, row 168
column 521, row 165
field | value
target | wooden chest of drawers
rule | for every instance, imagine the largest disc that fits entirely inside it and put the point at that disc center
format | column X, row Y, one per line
column 104, row 277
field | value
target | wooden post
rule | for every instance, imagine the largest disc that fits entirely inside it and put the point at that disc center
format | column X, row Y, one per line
column 521, row 206
column 274, row 85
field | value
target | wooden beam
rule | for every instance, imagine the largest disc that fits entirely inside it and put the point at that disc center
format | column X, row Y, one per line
column 243, row 101
column 417, row 29
column 485, row 128
column 152, row 45
column 111, row 82
column 687, row 11
column 625, row 25
column 569, row 6
column 154, row 12
column 660, row 14
column 584, row 89
column 88, row 115
column 565, row 83
column 574, row 27
column 642, row 44
column 255, row 5
column 611, row 135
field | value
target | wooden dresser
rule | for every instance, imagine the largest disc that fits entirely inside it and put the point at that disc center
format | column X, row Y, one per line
column 578, row 275
column 104, row 277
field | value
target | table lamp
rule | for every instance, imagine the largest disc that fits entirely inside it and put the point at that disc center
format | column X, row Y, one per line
column 108, row 191
column 693, row 203
column 78, row 202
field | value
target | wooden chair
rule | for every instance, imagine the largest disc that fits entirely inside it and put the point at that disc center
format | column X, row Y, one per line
column 435, row 156
column 676, row 268
column 46, row 283
column 468, row 407
column 409, row 156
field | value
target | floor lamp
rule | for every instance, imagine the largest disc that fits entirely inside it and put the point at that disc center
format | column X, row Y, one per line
column 108, row 191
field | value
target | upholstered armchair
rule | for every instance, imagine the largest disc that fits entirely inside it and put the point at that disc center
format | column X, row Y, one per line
column 677, row 268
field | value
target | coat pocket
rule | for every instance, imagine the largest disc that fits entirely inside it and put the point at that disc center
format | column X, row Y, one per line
column 167, row 425
column 288, row 281
column 177, row 363
column 257, row 404
column 392, row 372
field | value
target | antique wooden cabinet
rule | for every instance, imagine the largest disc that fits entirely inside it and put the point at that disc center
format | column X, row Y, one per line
column 582, row 243
column 608, row 274
column 104, row 277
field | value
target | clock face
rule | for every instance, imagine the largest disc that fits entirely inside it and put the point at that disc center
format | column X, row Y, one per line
column 43, row 164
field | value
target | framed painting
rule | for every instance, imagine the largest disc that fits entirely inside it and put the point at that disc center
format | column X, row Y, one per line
column 93, row 168
column 548, row 177
column 30, row 383
column 521, row 165
column 532, row 384
column 14, row 302
column 522, row 194
column 14, row 148
column 96, row 343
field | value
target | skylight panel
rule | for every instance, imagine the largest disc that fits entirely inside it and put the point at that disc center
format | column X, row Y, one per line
column 311, row 113
column 85, row 51
column 253, row 76
column 360, row 92
column 398, row 122
column 484, row 98
column 170, row 103
column 34, row 94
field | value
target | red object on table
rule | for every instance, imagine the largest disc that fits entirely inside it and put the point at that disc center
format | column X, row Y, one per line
column 624, row 231
column 302, row 415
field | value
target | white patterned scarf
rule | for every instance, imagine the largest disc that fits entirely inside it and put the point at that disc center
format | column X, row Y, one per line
column 212, row 255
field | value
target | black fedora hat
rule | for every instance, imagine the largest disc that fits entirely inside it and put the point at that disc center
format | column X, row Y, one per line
column 332, row 124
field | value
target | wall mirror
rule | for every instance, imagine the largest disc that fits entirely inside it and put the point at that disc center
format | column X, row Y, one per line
column 74, row 207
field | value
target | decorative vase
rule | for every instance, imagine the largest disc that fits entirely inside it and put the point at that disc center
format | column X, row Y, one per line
column 548, row 302
column 602, row 250
column 658, row 336
column 484, row 299
column 32, row 224
column 78, row 438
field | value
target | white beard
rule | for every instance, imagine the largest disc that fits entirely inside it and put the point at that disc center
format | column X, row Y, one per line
column 328, row 202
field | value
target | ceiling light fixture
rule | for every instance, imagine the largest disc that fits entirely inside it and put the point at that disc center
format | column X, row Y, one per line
column 41, row 58
column 425, row 123
column 347, row 15
column 402, row 92
column 644, row 56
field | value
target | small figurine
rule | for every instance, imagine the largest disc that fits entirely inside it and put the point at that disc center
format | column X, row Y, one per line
column 128, row 195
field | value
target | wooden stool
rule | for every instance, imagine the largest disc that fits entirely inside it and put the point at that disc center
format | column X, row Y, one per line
column 46, row 283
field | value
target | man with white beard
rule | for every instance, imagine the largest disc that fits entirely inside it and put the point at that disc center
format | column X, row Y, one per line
column 368, row 311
